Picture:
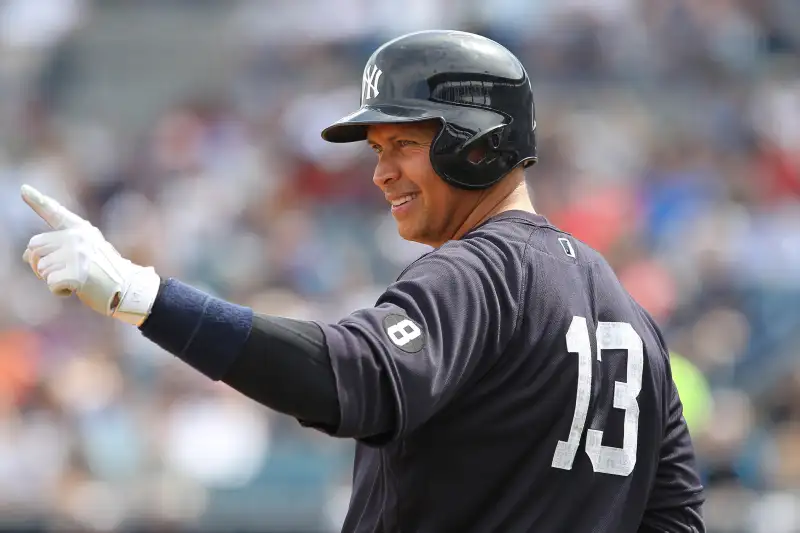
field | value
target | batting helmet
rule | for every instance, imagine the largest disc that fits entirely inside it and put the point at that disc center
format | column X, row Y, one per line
column 476, row 88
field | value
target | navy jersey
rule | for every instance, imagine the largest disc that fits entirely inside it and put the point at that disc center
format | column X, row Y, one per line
column 506, row 382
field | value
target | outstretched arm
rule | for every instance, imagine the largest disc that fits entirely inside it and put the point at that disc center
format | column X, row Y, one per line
column 376, row 375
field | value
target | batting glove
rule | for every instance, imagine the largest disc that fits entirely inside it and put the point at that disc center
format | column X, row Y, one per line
column 75, row 258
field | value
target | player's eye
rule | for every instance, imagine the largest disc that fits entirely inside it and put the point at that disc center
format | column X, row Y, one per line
column 406, row 142
column 375, row 148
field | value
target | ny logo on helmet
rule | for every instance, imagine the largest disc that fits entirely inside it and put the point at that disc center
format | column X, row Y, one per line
column 369, row 83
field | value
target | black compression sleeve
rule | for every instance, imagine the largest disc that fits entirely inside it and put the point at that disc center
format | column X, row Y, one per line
column 284, row 365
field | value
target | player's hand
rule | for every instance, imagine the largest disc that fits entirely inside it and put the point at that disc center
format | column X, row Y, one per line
column 75, row 258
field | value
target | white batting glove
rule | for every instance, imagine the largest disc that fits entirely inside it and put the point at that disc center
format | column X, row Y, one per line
column 75, row 258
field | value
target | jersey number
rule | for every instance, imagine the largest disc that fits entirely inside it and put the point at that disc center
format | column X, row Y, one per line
column 605, row 459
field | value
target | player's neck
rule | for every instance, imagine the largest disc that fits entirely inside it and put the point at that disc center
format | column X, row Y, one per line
column 506, row 196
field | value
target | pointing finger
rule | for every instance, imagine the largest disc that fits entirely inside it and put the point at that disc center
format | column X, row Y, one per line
column 56, row 215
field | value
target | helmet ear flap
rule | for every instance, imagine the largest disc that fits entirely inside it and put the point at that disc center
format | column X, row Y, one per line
column 485, row 146
column 464, row 159
column 484, row 149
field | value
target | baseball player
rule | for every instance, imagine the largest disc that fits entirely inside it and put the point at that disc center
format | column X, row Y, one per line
column 506, row 382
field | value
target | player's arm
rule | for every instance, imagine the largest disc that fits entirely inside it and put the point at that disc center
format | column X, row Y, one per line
column 675, row 503
column 381, row 371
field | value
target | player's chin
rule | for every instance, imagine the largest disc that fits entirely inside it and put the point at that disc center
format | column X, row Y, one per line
column 410, row 229
column 405, row 230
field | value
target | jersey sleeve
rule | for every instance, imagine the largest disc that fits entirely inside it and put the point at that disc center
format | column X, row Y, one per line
column 430, row 333
column 675, row 503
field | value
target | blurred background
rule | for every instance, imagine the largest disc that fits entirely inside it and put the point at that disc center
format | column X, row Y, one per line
column 188, row 131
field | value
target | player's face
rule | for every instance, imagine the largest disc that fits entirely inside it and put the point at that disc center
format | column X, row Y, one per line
column 425, row 207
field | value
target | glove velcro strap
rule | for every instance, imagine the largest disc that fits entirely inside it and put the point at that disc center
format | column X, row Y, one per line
column 137, row 301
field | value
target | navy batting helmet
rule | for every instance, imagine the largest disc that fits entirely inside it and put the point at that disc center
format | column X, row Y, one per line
column 476, row 88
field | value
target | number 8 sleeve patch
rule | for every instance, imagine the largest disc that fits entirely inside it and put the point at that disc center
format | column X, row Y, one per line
column 404, row 333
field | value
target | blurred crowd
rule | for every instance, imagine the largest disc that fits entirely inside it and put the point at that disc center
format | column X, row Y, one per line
column 669, row 139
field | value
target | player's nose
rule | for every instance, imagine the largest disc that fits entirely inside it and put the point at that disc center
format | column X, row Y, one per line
column 385, row 172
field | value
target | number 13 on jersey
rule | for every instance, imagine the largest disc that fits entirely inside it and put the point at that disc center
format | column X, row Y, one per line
column 605, row 459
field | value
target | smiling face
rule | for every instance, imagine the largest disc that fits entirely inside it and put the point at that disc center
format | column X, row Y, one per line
column 427, row 209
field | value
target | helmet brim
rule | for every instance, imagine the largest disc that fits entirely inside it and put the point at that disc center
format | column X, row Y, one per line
column 353, row 127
